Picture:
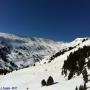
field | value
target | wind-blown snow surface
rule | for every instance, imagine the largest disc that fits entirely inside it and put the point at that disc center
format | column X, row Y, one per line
column 31, row 77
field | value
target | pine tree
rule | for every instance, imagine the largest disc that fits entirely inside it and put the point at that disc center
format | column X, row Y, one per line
column 81, row 87
column 50, row 80
column 85, row 76
column 43, row 82
column 70, row 75
column 85, row 87
column 76, row 88
column 88, row 64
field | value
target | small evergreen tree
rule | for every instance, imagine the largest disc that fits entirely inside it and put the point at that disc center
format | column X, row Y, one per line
column 70, row 75
column 85, row 87
column 43, row 82
column 85, row 76
column 81, row 87
column 76, row 88
column 88, row 64
column 50, row 81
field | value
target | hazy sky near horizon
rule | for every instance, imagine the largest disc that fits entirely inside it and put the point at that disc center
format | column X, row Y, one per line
column 54, row 19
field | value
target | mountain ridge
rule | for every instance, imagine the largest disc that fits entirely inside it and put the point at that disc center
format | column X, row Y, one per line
column 22, row 52
column 33, row 60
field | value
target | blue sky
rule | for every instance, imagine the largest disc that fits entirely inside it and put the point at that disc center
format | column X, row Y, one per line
column 54, row 19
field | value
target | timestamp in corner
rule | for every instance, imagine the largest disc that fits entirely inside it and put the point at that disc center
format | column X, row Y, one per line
column 8, row 88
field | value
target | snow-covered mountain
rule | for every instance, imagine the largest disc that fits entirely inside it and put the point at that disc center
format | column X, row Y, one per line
column 30, row 78
column 20, row 52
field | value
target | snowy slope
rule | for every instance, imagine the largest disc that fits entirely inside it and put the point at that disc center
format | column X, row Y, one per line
column 31, row 77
